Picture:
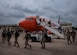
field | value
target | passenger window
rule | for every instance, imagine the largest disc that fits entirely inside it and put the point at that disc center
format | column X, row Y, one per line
column 29, row 18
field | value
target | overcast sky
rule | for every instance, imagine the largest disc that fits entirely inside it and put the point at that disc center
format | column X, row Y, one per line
column 12, row 11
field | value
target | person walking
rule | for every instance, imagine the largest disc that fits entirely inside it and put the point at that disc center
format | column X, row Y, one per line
column 9, row 35
column 73, row 35
column 27, row 38
column 16, row 38
column 68, row 37
column 43, row 39
column 4, row 36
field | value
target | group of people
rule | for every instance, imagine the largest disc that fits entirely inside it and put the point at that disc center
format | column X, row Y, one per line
column 43, row 39
column 70, row 36
column 7, row 35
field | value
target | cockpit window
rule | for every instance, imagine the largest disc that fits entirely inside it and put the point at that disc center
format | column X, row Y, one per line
column 29, row 18
column 26, row 18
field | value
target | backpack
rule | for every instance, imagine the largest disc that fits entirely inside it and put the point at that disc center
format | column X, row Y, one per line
column 9, row 34
column 4, row 34
column 17, row 34
column 27, row 36
column 46, row 36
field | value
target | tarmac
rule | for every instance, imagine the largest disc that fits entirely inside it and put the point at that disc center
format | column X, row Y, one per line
column 56, row 47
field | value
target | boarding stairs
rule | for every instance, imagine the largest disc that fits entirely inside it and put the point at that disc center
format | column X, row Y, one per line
column 57, row 33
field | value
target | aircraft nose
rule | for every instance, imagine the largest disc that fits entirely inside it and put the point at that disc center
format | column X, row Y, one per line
column 20, row 23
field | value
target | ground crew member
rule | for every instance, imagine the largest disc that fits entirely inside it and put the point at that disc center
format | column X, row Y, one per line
column 68, row 37
column 27, row 38
column 73, row 35
column 16, row 38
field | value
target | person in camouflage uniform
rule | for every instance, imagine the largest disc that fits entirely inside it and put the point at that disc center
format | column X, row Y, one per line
column 43, row 39
column 4, row 33
column 9, row 35
column 27, row 38
column 68, row 37
column 73, row 35
column 16, row 38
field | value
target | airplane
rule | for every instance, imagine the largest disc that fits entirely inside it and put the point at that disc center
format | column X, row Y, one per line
column 30, row 24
